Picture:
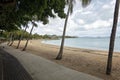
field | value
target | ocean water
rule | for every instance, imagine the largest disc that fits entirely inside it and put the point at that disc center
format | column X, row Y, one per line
column 97, row 43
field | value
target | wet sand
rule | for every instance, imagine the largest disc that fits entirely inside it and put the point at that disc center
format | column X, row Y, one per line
column 92, row 62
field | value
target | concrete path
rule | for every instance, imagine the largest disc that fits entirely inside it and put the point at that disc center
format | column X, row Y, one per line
column 11, row 69
column 43, row 69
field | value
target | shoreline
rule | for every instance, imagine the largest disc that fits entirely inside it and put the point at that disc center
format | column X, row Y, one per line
column 88, row 61
column 74, row 48
column 89, row 48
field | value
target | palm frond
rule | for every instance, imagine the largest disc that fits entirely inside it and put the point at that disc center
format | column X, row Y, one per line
column 71, row 3
column 71, row 6
column 85, row 3
column 34, row 24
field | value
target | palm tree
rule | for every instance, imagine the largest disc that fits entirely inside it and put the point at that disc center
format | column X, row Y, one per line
column 112, row 38
column 34, row 25
column 12, row 39
column 9, row 37
column 70, row 9
column 21, row 36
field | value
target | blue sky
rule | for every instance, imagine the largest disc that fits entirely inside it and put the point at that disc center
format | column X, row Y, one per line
column 95, row 20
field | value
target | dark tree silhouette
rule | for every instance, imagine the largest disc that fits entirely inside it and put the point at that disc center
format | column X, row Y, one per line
column 112, row 38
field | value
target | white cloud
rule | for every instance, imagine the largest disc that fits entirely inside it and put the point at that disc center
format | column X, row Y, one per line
column 112, row 2
column 95, row 20
column 98, row 24
column 71, row 25
column 80, row 21
column 106, row 6
column 87, row 12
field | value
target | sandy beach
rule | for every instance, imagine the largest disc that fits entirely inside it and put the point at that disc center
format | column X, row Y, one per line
column 92, row 62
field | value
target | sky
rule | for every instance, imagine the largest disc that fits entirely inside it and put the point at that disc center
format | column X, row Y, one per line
column 93, row 21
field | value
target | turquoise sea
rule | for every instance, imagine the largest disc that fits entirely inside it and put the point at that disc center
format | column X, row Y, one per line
column 95, row 43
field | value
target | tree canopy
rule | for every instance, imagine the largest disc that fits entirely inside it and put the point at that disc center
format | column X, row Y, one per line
column 19, row 12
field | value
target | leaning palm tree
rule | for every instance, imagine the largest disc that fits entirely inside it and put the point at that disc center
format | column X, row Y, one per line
column 21, row 36
column 9, row 38
column 112, row 38
column 33, row 25
column 70, row 10
column 12, row 38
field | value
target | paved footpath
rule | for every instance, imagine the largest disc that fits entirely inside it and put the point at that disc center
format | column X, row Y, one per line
column 43, row 69
column 11, row 69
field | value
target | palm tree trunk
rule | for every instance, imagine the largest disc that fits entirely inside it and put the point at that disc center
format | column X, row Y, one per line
column 13, row 36
column 10, row 37
column 1, row 32
column 28, row 39
column 112, row 39
column 21, row 36
column 59, row 56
